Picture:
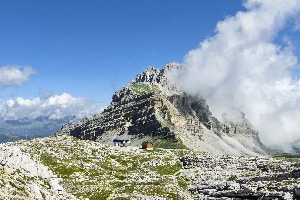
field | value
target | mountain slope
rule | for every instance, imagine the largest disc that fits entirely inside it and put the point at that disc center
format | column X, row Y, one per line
column 151, row 108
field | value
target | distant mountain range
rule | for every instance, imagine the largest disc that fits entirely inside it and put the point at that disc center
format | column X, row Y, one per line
column 25, row 128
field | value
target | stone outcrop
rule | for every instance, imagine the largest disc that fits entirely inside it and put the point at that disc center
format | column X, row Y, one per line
column 241, row 177
column 151, row 108
column 40, row 181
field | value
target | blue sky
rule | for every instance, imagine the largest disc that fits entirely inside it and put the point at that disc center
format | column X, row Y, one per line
column 63, row 57
column 90, row 48
column 68, row 57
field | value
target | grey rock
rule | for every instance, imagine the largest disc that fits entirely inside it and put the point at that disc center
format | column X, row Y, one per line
column 152, row 108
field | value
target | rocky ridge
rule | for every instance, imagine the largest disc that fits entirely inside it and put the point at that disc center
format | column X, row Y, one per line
column 152, row 108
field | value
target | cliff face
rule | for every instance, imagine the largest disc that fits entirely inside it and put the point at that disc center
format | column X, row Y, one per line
column 151, row 108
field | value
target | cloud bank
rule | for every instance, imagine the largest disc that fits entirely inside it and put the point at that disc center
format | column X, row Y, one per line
column 244, row 67
column 55, row 107
column 49, row 106
column 15, row 75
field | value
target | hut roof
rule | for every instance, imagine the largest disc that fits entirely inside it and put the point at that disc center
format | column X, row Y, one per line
column 147, row 142
column 121, row 141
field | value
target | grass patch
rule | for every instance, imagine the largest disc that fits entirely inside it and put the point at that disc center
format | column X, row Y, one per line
column 183, row 183
column 97, row 195
column 168, row 143
column 168, row 169
column 292, row 157
column 60, row 169
column 286, row 155
column 232, row 178
column 144, row 88
column 48, row 160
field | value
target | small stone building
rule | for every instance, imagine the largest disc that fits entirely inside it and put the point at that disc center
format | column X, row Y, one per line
column 147, row 145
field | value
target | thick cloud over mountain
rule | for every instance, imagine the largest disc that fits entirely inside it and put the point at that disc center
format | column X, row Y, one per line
column 249, row 65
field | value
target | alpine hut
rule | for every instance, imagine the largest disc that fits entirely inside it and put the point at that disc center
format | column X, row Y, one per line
column 147, row 145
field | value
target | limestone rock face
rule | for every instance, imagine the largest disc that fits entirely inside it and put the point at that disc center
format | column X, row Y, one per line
column 151, row 108
column 40, row 181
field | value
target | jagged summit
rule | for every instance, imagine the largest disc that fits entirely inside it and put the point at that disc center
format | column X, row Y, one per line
column 152, row 108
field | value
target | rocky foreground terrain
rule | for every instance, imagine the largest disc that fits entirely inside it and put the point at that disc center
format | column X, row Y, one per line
column 64, row 167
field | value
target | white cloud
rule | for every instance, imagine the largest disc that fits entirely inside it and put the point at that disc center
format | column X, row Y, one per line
column 242, row 68
column 55, row 107
column 10, row 103
column 19, row 108
column 27, row 102
column 63, row 100
column 15, row 75
column 62, row 105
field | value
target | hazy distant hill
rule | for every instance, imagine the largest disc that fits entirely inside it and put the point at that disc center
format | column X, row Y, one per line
column 10, row 137
column 12, row 130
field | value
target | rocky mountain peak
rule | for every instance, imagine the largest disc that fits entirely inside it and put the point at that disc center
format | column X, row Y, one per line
column 158, row 77
column 151, row 108
column 154, row 75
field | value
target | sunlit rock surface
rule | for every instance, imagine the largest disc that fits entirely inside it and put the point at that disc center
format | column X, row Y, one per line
column 64, row 167
column 151, row 108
